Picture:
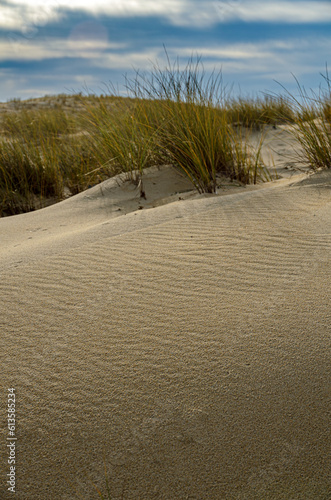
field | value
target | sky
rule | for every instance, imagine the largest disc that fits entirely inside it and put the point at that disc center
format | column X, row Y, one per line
column 48, row 47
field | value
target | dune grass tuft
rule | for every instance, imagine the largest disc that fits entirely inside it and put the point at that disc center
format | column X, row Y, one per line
column 41, row 161
column 121, row 142
column 188, row 122
column 312, row 125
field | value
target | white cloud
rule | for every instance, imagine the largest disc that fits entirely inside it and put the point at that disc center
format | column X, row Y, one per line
column 21, row 49
column 282, row 11
column 24, row 15
column 8, row 18
column 21, row 13
column 131, row 60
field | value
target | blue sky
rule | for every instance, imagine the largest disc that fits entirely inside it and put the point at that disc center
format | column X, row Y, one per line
column 47, row 47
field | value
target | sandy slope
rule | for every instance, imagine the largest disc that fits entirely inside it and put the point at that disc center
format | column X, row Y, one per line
column 189, row 343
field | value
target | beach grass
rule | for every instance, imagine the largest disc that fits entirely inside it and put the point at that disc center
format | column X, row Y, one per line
column 33, row 124
column 255, row 112
column 43, row 159
column 185, row 115
column 121, row 142
column 312, row 125
column 58, row 146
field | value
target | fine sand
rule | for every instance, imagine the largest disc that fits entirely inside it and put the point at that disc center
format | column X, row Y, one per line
column 182, row 340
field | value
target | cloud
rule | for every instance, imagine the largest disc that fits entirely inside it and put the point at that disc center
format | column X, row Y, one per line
column 22, row 14
column 294, row 12
column 21, row 49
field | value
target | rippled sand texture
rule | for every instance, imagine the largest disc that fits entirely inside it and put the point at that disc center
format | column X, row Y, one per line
column 188, row 345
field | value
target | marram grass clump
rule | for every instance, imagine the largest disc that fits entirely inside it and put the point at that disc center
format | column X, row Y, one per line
column 120, row 136
column 185, row 118
column 312, row 126
column 35, row 175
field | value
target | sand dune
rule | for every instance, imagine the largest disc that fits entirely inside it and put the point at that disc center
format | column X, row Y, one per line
column 188, row 344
